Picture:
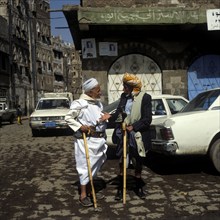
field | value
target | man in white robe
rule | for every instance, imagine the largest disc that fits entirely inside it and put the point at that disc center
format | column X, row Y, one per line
column 86, row 116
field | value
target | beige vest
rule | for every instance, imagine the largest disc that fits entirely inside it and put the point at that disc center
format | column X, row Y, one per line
column 135, row 116
column 135, row 110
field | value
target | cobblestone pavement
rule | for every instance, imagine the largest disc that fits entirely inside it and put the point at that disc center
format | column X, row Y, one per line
column 39, row 181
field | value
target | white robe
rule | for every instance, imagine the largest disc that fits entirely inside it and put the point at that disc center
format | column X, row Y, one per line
column 83, row 112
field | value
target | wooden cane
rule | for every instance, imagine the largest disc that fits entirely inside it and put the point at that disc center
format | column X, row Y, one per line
column 124, row 161
column 89, row 170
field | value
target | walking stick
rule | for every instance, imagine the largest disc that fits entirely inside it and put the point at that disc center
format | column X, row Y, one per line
column 89, row 170
column 124, row 161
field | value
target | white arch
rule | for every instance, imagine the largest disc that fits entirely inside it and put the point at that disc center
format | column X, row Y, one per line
column 144, row 67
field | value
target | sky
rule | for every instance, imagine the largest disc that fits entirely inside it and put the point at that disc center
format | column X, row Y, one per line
column 58, row 19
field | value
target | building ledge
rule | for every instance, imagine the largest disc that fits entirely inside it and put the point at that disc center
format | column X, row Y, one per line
column 137, row 16
column 84, row 19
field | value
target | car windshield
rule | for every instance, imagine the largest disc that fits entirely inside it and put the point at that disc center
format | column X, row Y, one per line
column 202, row 101
column 52, row 103
column 175, row 106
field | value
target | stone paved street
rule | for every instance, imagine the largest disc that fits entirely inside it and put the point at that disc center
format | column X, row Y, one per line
column 39, row 181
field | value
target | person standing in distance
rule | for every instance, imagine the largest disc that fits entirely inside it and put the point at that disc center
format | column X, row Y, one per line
column 86, row 116
column 19, row 114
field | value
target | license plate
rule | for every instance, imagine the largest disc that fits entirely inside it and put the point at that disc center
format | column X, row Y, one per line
column 50, row 124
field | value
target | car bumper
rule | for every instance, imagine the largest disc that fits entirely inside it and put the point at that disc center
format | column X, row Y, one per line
column 164, row 147
column 47, row 125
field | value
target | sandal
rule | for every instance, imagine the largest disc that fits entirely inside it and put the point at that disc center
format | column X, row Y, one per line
column 86, row 202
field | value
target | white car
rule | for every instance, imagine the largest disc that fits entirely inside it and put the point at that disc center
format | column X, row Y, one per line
column 162, row 105
column 6, row 114
column 50, row 113
column 193, row 131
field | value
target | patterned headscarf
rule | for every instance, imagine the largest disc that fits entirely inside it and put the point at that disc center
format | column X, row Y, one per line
column 133, row 81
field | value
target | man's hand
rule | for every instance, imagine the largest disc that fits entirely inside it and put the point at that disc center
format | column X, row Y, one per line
column 85, row 128
column 104, row 117
column 129, row 128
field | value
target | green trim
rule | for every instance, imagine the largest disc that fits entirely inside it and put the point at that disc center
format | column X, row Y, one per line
column 141, row 16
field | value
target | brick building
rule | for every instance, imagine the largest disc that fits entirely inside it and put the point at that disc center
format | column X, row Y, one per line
column 165, row 42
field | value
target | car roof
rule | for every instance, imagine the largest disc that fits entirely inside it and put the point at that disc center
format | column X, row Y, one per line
column 159, row 97
column 114, row 104
column 166, row 96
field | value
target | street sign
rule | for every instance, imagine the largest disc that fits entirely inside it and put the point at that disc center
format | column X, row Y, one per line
column 213, row 19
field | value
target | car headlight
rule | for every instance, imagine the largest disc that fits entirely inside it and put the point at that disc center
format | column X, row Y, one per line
column 35, row 118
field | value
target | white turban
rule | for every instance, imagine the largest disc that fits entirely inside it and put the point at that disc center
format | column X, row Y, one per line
column 89, row 84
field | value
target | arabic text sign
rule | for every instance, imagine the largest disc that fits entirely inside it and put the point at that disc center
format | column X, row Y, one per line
column 139, row 16
column 213, row 19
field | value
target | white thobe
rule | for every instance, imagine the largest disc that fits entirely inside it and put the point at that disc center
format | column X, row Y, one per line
column 87, row 111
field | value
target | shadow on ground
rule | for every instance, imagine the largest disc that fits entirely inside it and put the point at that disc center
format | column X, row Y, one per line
column 165, row 165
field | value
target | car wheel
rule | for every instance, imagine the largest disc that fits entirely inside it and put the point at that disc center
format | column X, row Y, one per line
column 215, row 154
column 35, row 133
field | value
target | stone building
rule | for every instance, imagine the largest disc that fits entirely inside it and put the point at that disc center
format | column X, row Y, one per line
column 19, row 90
column 54, row 57
column 165, row 42
column 66, row 67
column 75, row 70
column 44, row 53
column 4, row 60
column 31, row 61
column 57, row 65
column 72, row 70
column 30, row 54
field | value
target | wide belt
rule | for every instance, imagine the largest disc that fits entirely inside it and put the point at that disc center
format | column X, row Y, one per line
column 95, row 134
